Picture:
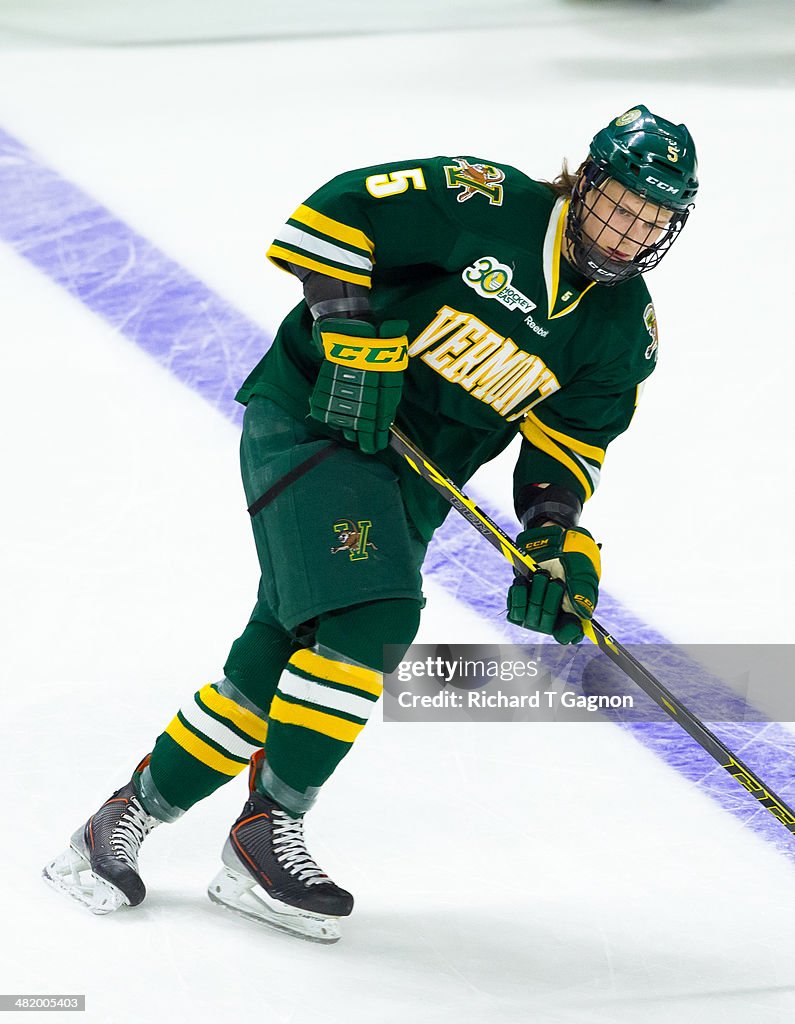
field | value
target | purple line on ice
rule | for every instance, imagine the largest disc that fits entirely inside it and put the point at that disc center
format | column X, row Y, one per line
column 209, row 346
column 120, row 276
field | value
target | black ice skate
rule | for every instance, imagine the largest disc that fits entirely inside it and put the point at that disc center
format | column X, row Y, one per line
column 100, row 867
column 269, row 876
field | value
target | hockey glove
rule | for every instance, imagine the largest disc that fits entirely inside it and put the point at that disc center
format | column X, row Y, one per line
column 361, row 378
column 564, row 590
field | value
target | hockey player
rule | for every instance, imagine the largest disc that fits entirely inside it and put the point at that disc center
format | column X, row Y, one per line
column 467, row 303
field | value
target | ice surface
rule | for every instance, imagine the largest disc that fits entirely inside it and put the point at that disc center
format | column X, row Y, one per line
column 558, row 873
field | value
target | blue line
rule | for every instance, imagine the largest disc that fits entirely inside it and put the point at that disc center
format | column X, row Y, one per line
column 209, row 346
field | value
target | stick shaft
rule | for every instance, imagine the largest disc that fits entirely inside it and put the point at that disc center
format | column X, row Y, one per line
column 618, row 654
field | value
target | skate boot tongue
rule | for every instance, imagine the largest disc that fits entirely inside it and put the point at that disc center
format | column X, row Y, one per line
column 289, row 847
column 130, row 830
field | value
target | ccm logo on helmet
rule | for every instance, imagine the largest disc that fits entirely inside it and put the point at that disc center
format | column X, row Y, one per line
column 661, row 185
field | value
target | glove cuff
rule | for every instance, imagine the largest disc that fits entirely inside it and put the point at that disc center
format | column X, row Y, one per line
column 580, row 542
column 353, row 343
column 542, row 542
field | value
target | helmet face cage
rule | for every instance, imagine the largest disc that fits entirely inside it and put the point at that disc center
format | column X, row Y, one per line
column 595, row 252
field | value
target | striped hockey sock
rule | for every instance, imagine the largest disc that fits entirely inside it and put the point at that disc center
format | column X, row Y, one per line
column 207, row 743
column 322, row 703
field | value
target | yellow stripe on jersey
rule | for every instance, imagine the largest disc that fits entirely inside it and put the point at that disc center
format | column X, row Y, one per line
column 356, row 676
column 537, row 437
column 317, row 721
column 276, row 253
column 553, row 293
column 557, row 256
column 333, row 228
column 590, row 451
column 244, row 719
column 202, row 751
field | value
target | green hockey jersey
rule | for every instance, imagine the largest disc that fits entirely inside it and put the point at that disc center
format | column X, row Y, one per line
column 504, row 335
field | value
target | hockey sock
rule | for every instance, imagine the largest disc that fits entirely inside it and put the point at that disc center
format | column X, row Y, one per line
column 326, row 695
column 211, row 738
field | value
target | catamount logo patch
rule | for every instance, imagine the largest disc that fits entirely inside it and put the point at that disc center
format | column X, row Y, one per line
column 475, row 179
column 353, row 538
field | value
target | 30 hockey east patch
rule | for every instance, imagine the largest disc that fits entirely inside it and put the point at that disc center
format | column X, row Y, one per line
column 492, row 280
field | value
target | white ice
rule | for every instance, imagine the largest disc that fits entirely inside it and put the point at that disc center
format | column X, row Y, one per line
column 502, row 872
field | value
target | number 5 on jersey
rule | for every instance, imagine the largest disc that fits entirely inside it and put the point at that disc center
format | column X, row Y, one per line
column 381, row 185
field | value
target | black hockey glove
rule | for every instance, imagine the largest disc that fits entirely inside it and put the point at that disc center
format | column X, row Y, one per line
column 360, row 381
column 564, row 590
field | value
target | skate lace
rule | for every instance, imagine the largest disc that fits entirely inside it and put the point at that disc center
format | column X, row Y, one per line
column 289, row 847
column 129, row 832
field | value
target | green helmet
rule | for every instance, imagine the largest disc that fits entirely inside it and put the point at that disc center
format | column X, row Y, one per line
column 651, row 156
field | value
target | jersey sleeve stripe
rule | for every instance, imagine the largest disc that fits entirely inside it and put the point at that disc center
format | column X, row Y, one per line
column 334, row 229
column 589, row 451
column 304, row 229
column 540, row 440
column 279, row 254
column 594, row 472
column 312, row 245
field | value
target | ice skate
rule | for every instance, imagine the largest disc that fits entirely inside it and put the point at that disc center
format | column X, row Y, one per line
column 100, row 868
column 268, row 875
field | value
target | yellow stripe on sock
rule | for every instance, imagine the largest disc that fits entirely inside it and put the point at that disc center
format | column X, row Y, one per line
column 244, row 719
column 317, row 721
column 202, row 751
column 355, row 676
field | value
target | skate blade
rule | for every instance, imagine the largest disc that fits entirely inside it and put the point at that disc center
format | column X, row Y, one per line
column 239, row 893
column 71, row 874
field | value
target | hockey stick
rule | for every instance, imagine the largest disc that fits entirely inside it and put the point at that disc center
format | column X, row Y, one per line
column 597, row 634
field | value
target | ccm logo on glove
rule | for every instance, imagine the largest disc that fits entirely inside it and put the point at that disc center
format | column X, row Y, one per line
column 338, row 349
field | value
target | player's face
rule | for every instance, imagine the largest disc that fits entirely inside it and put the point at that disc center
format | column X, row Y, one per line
column 620, row 223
